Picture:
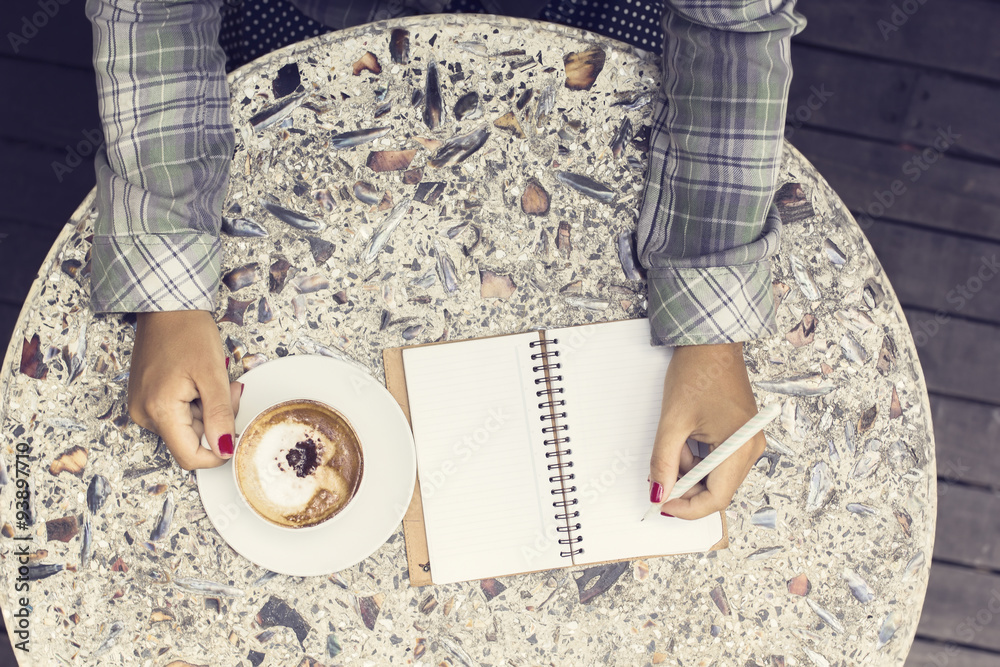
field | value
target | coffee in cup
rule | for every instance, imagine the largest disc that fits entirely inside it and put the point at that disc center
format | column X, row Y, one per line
column 298, row 463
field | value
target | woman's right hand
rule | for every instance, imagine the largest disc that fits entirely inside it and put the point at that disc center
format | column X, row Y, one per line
column 706, row 396
column 179, row 388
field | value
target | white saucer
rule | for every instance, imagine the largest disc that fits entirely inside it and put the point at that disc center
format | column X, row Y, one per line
column 376, row 510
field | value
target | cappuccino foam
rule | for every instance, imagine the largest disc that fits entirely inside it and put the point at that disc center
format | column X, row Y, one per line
column 299, row 463
column 290, row 493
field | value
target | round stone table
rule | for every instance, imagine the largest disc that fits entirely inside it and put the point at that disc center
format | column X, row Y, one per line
column 830, row 535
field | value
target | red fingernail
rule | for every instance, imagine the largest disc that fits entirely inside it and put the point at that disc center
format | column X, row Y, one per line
column 226, row 445
column 227, row 363
column 656, row 493
column 242, row 387
column 665, row 514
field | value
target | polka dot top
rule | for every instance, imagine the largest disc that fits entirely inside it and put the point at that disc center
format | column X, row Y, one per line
column 252, row 28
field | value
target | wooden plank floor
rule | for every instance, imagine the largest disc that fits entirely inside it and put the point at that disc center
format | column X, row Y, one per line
column 894, row 92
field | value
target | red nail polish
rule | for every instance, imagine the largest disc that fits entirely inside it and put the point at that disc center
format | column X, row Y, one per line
column 656, row 493
column 665, row 514
column 226, row 445
column 227, row 363
column 242, row 387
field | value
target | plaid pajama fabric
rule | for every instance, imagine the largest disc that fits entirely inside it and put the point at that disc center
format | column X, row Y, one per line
column 707, row 226
column 163, row 172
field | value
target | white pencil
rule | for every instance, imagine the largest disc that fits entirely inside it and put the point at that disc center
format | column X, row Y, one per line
column 720, row 454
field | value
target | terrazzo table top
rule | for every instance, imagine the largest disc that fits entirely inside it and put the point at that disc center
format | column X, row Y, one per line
column 830, row 535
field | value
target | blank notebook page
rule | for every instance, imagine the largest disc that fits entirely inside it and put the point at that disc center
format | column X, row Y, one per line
column 613, row 386
column 480, row 460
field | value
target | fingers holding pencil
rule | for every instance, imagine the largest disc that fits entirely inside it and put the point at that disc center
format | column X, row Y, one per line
column 707, row 396
column 742, row 445
column 671, row 460
column 715, row 492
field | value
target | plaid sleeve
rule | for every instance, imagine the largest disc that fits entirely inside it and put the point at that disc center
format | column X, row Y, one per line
column 163, row 171
column 708, row 226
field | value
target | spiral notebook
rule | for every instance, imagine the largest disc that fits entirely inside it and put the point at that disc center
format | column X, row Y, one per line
column 533, row 451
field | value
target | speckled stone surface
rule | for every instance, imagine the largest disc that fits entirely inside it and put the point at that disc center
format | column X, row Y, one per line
column 830, row 535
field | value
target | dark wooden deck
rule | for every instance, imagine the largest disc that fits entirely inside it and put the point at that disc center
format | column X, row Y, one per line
column 893, row 91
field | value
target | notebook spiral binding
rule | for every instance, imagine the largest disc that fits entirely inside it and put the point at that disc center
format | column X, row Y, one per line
column 559, row 474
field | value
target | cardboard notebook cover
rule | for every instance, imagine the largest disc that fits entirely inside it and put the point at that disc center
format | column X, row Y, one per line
column 417, row 558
